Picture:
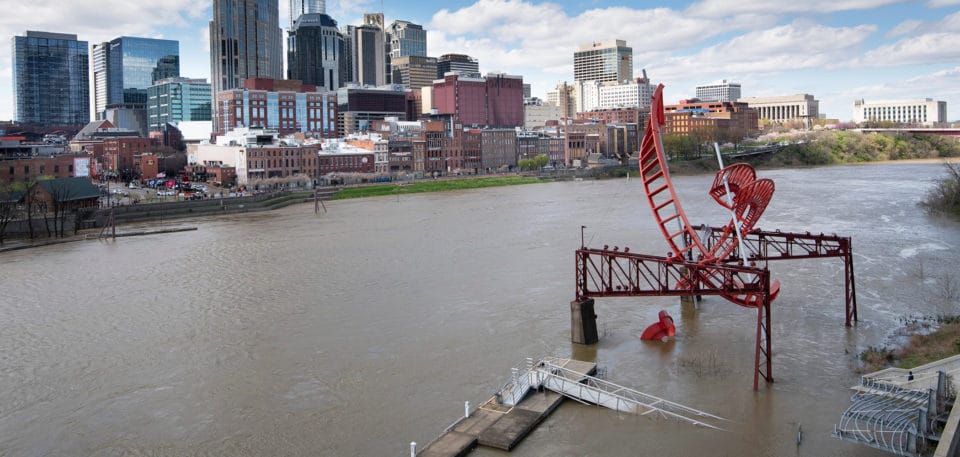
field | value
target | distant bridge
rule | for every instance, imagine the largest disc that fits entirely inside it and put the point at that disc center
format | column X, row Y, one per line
column 748, row 152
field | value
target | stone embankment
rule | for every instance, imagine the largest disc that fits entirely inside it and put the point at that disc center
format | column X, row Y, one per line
column 207, row 207
column 139, row 214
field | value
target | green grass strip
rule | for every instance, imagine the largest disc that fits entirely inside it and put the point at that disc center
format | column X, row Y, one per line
column 416, row 187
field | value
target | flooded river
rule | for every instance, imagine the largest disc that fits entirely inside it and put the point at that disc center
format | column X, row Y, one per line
column 355, row 332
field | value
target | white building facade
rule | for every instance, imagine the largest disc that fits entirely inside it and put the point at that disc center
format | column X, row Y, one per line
column 587, row 95
column 603, row 61
column 800, row 107
column 927, row 112
column 721, row 91
column 635, row 94
column 536, row 114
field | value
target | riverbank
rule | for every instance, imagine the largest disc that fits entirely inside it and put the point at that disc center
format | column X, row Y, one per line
column 17, row 245
column 926, row 341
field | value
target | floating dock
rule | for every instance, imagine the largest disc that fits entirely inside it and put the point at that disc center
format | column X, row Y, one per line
column 498, row 425
column 535, row 390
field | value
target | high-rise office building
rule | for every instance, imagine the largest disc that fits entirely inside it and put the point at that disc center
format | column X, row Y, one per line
column 315, row 51
column 720, row 91
column 245, row 42
column 407, row 39
column 50, row 79
column 415, row 72
column 301, row 7
column 603, row 61
column 463, row 64
column 125, row 67
column 177, row 100
column 368, row 49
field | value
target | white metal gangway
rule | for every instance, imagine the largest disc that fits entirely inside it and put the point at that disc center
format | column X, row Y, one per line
column 550, row 373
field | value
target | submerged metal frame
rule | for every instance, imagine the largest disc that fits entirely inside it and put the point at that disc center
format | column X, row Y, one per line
column 615, row 273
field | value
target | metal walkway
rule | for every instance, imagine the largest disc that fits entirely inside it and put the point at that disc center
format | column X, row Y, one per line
column 895, row 419
column 552, row 374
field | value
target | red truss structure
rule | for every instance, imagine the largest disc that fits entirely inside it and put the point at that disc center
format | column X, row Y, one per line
column 728, row 261
column 763, row 246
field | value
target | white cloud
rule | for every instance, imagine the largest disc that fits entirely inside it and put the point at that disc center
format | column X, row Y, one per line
column 929, row 48
column 724, row 8
column 904, row 28
column 788, row 47
column 942, row 3
column 939, row 85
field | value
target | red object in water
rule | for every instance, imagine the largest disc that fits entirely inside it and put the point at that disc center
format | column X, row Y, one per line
column 660, row 330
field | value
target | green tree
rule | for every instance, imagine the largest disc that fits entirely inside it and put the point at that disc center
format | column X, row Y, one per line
column 541, row 160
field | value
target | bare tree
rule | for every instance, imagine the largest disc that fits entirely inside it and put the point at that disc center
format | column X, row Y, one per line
column 9, row 203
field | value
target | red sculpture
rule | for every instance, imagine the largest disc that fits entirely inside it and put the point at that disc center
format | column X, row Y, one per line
column 661, row 330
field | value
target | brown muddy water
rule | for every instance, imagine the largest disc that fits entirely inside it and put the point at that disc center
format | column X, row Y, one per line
column 355, row 332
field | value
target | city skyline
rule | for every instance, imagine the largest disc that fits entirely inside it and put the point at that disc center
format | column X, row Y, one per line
column 838, row 51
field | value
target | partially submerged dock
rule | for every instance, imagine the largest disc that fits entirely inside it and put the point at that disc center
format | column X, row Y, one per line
column 534, row 391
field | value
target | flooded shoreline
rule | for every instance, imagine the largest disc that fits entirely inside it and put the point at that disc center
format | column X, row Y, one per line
column 360, row 330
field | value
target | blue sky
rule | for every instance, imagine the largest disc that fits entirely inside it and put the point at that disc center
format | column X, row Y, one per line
column 836, row 50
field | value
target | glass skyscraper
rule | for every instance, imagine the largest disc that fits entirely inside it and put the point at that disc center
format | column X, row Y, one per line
column 125, row 67
column 245, row 42
column 301, row 7
column 176, row 100
column 407, row 39
column 315, row 52
column 50, row 79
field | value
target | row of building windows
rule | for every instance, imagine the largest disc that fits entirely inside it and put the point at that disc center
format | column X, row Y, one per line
column 42, row 169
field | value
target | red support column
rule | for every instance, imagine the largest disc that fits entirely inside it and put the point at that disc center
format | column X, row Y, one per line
column 850, row 286
column 764, row 351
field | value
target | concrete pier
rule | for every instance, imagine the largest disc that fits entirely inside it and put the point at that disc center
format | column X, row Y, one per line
column 583, row 322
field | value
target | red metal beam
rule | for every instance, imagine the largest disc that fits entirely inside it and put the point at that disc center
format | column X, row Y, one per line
column 766, row 245
column 615, row 273
column 612, row 273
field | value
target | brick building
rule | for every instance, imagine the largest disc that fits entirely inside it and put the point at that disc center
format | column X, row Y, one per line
column 288, row 106
column 19, row 169
column 728, row 117
column 498, row 149
column 493, row 101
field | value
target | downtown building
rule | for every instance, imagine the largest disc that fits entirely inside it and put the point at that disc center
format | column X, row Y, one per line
column 926, row 111
column 603, row 61
column 728, row 118
column 316, row 52
column 176, row 100
column 245, row 42
column 50, row 79
column 286, row 106
column 720, row 91
column 300, row 7
column 415, row 72
column 632, row 94
column 361, row 106
column 459, row 63
column 367, row 47
column 492, row 101
column 404, row 38
column 801, row 108
column 123, row 70
column 258, row 154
